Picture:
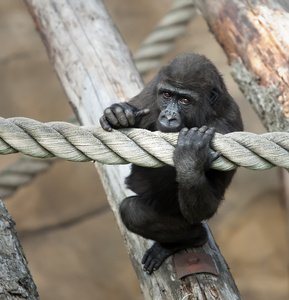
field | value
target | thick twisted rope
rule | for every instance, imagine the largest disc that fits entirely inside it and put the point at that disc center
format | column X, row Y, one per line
column 162, row 39
column 21, row 173
column 138, row 146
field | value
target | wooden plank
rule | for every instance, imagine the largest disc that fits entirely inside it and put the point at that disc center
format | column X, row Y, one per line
column 96, row 70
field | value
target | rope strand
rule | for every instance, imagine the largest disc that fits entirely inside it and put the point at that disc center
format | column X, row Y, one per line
column 162, row 39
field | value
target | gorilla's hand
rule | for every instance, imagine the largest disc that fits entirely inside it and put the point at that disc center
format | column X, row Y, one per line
column 193, row 156
column 121, row 115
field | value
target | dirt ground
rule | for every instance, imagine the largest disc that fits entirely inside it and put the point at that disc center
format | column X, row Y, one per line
column 67, row 230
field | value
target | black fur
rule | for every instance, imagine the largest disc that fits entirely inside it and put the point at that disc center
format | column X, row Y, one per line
column 170, row 203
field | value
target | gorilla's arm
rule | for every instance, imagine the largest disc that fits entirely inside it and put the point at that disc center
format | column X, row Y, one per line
column 200, row 188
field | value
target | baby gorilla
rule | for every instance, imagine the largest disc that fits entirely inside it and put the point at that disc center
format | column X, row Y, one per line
column 170, row 203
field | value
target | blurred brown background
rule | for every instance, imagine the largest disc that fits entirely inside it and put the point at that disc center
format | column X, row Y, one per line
column 68, row 232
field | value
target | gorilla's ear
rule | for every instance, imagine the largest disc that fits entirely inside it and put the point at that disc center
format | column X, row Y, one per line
column 214, row 96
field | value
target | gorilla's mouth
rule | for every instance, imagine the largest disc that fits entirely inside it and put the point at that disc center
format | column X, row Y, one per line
column 169, row 121
column 169, row 126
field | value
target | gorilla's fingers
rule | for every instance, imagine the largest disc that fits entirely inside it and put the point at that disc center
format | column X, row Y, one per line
column 209, row 134
column 211, row 131
column 130, row 117
column 110, row 117
column 142, row 112
column 216, row 155
column 120, row 116
column 104, row 124
column 203, row 129
column 182, row 135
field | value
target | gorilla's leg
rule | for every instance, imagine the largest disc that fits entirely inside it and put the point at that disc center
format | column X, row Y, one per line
column 171, row 232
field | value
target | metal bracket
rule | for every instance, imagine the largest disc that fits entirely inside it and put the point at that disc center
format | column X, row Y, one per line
column 192, row 263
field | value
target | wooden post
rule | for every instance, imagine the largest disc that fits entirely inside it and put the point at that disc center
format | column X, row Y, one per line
column 96, row 70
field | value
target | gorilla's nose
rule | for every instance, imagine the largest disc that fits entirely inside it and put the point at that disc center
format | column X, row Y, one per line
column 170, row 121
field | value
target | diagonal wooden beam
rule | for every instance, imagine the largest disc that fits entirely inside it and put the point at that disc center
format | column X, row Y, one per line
column 95, row 68
column 254, row 36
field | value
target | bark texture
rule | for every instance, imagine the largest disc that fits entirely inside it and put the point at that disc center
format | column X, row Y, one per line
column 15, row 279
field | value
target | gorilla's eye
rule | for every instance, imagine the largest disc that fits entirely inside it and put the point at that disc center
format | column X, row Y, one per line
column 167, row 95
column 184, row 101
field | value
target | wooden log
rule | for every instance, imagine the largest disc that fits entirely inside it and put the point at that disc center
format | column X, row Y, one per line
column 15, row 279
column 254, row 36
column 96, row 70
